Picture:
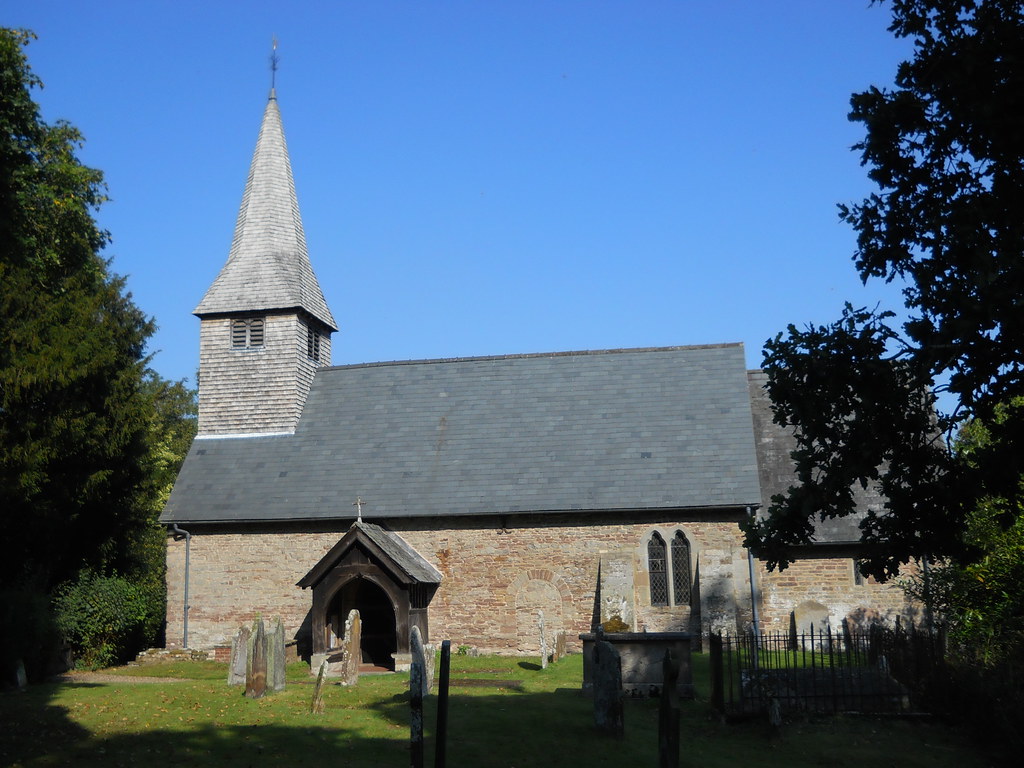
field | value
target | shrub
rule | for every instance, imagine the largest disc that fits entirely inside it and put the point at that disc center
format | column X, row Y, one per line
column 105, row 619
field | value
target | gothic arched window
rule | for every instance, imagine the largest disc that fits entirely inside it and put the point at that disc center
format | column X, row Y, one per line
column 657, row 567
column 680, row 569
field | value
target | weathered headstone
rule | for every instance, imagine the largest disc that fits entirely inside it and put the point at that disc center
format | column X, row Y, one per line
column 668, row 713
column 847, row 637
column 416, row 680
column 543, row 640
column 607, row 689
column 316, row 706
column 275, row 657
column 559, row 651
column 256, row 671
column 418, row 670
column 239, row 657
column 430, row 663
column 352, row 649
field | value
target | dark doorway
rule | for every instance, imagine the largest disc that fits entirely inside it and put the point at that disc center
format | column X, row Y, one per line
column 380, row 640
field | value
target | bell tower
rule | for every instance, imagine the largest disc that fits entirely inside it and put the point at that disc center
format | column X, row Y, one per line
column 264, row 324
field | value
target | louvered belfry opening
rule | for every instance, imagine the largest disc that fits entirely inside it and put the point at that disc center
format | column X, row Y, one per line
column 247, row 332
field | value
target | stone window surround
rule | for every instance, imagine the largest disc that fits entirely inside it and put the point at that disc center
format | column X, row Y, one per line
column 667, row 534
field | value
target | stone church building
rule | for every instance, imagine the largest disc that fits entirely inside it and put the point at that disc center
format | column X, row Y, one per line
column 464, row 496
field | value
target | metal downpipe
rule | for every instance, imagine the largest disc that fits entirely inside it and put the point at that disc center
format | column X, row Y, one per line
column 179, row 533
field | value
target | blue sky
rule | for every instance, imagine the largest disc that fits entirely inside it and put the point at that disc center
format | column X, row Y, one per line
column 481, row 178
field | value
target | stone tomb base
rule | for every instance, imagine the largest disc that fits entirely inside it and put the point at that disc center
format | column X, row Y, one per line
column 642, row 655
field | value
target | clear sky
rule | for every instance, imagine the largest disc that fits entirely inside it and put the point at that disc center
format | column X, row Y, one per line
column 481, row 177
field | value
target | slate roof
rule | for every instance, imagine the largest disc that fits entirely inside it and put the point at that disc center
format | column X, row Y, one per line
column 394, row 547
column 268, row 266
column 775, row 467
column 664, row 428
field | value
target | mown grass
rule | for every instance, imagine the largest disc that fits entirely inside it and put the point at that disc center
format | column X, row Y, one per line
column 522, row 716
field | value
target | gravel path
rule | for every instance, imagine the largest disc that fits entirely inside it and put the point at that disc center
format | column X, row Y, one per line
column 106, row 677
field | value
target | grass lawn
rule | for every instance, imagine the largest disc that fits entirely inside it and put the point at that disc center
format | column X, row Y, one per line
column 503, row 712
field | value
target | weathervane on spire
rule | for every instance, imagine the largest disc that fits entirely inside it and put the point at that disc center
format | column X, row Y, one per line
column 274, row 60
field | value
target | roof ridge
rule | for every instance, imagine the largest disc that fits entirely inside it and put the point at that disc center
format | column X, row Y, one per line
column 533, row 355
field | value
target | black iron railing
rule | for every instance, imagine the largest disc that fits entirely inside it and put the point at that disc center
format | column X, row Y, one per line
column 881, row 670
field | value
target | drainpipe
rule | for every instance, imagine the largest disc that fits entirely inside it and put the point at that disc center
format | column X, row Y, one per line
column 178, row 533
column 753, row 584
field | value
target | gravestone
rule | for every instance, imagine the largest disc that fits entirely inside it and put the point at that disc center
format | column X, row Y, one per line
column 316, row 707
column 418, row 670
column 351, row 649
column 417, row 678
column 607, row 689
column 559, row 651
column 256, row 670
column 543, row 640
column 430, row 662
column 239, row 657
column 275, row 657
column 20, row 678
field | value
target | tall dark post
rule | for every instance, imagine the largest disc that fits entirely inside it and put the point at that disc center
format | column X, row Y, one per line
column 441, row 735
column 668, row 714
column 717, row 676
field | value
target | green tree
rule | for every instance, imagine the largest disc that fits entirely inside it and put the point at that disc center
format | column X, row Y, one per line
column 981, row 598
column 946, row 150
column 80, row 476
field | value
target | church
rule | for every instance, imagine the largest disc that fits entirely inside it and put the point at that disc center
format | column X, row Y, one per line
column 466, row 496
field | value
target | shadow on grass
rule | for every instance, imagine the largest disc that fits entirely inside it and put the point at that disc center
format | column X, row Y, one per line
column 492, row 728
column 205, row 723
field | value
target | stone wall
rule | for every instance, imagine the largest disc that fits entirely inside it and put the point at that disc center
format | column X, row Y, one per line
column 495, row 577
column 497, row 573
column 827, row 587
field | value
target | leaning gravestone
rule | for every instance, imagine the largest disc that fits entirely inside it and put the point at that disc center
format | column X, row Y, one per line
column 256, row 671
column 239, row 657
column 316, row 707
column 351, row 650
column 275, row 657
column 607, row 689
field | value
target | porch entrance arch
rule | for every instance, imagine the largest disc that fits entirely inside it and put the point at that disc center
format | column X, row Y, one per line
column 376, row 572
column 379, row 641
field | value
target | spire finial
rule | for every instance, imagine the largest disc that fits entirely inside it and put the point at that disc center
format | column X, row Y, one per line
column 274, row 61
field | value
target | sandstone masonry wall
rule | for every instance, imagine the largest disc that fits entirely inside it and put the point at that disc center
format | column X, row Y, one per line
column 497, row 576
column 830, row 583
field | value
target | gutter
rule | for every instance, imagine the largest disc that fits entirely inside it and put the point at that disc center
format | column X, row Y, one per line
column 178, row 534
